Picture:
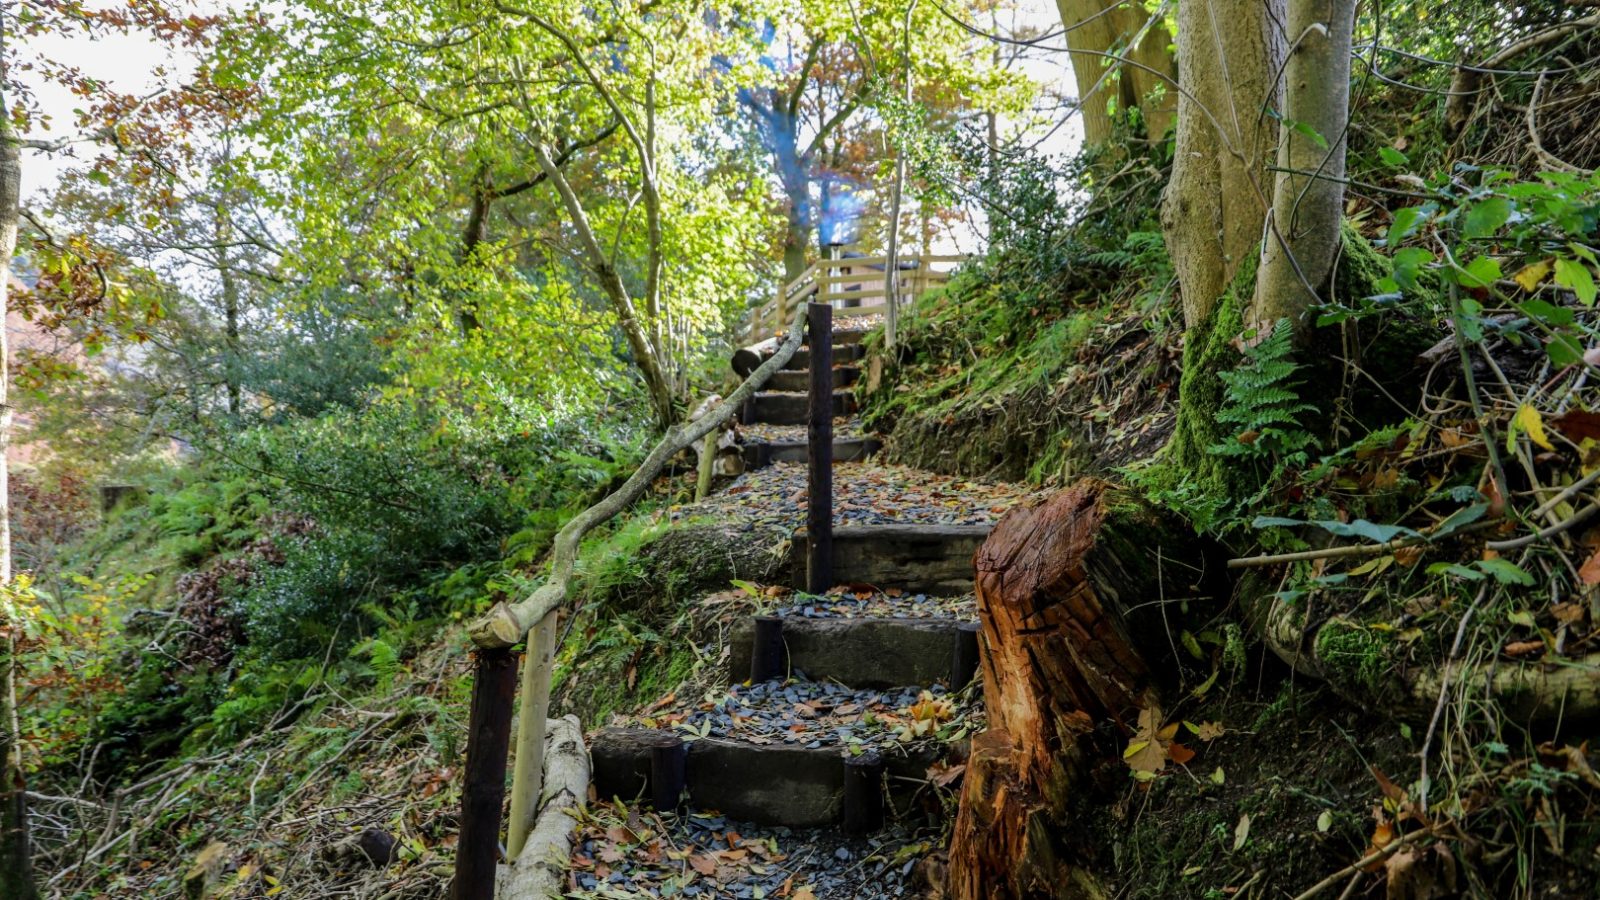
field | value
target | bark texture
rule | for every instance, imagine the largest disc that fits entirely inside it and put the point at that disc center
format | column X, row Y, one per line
column 16, row 864
column 1069, row 597
column 1229, row 53
column 1299, row 251
column 541, row 867
column 1117, row 27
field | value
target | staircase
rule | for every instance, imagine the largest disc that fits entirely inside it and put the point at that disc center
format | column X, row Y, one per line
column 836, row 706
column 773, row 422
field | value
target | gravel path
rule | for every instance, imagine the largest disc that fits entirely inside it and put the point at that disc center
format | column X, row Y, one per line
column 864, row 493
column 865, row 601
column 843, row 427
column 815, row 714
column 630, row 852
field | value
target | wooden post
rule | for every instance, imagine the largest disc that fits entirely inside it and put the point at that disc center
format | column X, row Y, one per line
column 668, row 765
column 964, row 664
column 527, row 780
column 862, row 809
column 819, row 494
column 494, row 686
column 766, row 650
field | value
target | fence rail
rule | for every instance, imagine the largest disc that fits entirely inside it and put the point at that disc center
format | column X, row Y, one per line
column 845, row 284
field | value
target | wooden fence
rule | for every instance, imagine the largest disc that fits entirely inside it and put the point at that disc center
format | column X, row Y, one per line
column 853, row 286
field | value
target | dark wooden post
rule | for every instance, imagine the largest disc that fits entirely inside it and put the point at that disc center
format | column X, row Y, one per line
column 964, row 665
column 494, row 689
column 819, row 435
column 668, row 765
column 767, row 660
column 862, row 809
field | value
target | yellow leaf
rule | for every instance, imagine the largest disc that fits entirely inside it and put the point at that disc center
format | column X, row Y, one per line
column 1530, row 275
column 245, row 871
column 1134, row 748
column 1529, row 420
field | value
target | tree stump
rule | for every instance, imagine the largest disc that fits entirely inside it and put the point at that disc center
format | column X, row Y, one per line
column 1077, row 597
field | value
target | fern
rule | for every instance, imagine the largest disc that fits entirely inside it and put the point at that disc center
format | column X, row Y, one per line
column 383, row 658
column 1263, row 405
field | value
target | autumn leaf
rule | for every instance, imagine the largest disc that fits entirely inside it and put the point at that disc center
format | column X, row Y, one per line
column 1578, row 424
column 703, row 863
column 806, row 893
column 1589, row 572
column 1527, row 420
column 1529, row 276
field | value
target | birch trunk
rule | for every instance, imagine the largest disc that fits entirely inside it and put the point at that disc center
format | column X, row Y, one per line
column 16, row 863
column 1299, row 249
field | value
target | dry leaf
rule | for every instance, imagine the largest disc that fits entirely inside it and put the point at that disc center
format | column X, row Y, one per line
column 703, row 863
column 1578, row 424
column 1589, row 572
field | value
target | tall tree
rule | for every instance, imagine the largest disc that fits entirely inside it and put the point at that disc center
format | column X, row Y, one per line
column 1104, row 33
column 149, row 127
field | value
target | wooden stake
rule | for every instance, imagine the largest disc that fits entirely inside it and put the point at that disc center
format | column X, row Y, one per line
column 862, row 809
column 964, row 664
column 767, row 661
column 494, row 685
column 527, row 781
column 819, row 434
column 668, row 765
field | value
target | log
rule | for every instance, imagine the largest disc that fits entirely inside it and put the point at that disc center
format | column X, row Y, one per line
column 540, row 870
column 745, row 359
column 1073, row 631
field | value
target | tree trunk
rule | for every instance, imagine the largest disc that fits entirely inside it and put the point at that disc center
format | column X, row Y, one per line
column 1228, row 58
column 16, row 863
column 1298, row 254
column 1069, row 595
column 1093, row 30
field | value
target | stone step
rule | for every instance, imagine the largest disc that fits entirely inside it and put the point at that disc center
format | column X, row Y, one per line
column 842, row 353
column 931, row 559
column 865, row 652
column 778, row 408
column 765, row 453
column 792, row 786
column 800, row 379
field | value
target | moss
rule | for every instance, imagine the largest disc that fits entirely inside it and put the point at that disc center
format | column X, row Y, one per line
column 1354, row 658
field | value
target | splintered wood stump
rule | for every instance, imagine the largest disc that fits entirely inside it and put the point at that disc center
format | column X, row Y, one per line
column 1071, row 593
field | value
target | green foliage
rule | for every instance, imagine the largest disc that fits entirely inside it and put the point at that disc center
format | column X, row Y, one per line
column 1262, row 405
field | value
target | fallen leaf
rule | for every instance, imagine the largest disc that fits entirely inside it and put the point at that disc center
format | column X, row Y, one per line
column 1241, row 832
column 1589, row 572
column 1578, row 424
column 1179, row 754
column 1530, row 421
column 1529, row 276
column 1523, row 649
column 703, row 863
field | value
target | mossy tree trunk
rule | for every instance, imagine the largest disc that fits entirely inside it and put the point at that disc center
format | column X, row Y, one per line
column 1075, row 595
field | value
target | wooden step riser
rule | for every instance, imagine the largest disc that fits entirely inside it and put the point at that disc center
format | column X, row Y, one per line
column 846, row 353
column 762, row 784
column 800, row 380
column 931, row 559
column 759, row 455
column 793, row 409
column 868, row 653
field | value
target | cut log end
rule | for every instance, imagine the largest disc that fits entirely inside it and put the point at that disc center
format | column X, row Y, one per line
column 498, row 628
column 1071, row 594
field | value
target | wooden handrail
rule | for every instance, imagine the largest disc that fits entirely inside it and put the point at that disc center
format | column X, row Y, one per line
column 818, row 279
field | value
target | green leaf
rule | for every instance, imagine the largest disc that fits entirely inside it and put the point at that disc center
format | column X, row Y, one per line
column 1575, row 277
column 1504, row 571
column 1407, row 262
column 1458, row 571
column 1485, row 218
column 1309, row 133
column 1406, row 221
column 1392, row 157
column 1481, row 272
column 1563, row 350
column 1546, row 312
column 1459, row 519
column 1372, row 531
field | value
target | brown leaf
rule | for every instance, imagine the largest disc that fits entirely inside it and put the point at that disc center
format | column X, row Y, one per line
column 703, row 863
column 1589, row 572
column 1578, row 424
column 1179, row 753
column 1390, row 789
column 1523, row 649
